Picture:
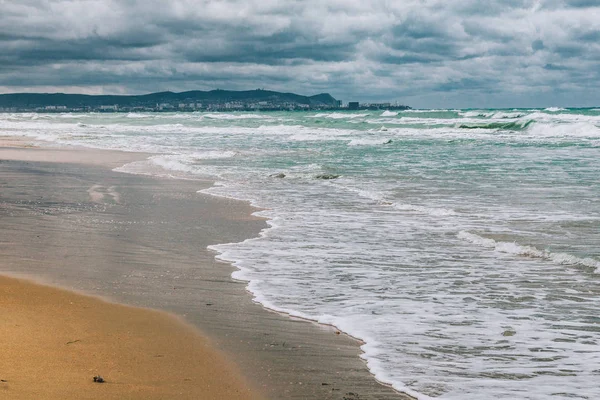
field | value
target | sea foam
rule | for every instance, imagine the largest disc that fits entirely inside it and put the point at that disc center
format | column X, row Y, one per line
column 529, row 251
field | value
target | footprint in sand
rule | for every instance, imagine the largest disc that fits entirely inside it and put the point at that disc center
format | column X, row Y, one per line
column 102, row 194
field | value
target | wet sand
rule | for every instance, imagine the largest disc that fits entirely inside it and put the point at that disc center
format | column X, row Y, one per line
column 68, row 220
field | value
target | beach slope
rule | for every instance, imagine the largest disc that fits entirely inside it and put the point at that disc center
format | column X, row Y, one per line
column 54, row 342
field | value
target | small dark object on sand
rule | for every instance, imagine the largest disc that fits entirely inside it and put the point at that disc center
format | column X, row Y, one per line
column 99, row 379
column 3, row 380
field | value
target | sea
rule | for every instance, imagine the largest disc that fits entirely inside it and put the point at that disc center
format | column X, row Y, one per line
column 461, row 246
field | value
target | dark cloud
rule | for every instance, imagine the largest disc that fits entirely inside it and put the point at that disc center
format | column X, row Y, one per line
column 537, row 45
column 429, row 53
column 468, row 84
column 554, row 67
column 590, row 36
column 582, row 3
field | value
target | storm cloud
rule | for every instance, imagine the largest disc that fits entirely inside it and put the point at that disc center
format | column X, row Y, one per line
column 426, row 53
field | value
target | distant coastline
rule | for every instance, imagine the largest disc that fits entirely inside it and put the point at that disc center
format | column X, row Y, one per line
column 214, row 100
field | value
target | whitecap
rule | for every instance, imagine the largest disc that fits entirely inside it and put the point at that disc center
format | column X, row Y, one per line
column 369, row 142
column 529, row 251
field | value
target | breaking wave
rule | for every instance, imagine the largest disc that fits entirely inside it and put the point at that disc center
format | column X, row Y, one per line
column 529, row 251
column 512, row 126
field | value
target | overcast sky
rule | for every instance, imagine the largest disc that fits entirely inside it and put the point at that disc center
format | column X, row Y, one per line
column 425, row 53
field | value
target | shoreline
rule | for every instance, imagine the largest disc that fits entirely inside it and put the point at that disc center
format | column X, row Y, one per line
column 348, row 347
column 404, row 395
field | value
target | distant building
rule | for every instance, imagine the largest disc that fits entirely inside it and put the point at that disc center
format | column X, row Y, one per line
column 379, row 106
column 353, row 105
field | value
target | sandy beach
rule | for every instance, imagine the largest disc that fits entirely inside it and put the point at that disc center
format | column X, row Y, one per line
column 69, row 221
column 54, row 342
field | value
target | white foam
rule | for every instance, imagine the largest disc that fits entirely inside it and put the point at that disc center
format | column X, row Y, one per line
column 173, row 163
column 433, row 211
column 337, row 115
column 139, row 115
column 508, row 115
column 71, row 116
column 429, row 110
column 529, row 251
column 369, row 141
column 212, row 154
column 562, row 118
column 564, row 131
column 189, row 162
column 388, row 113
column 226, row 116
column 477, row 114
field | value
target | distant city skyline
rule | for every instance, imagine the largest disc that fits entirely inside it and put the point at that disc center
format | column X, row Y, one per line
column 423, row 53
column 215, row 100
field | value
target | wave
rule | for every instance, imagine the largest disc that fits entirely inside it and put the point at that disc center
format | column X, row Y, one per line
column 225, row 116
column 337, row 115
column 387, row 113
column 382, row 199
column 476, row 114
column 213, row 155
column 529, row 251
column 512, row 126
column 138, row 115
column 580, row 130
column 431, row 110
column 69, row 116
column 492, row 114
column 370, row 142
column 188, row 163
column 555, row 109
column 508, row 115
column 433, row 211
column 564, row 117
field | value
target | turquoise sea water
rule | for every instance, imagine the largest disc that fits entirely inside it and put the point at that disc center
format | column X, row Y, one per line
column 463, row 246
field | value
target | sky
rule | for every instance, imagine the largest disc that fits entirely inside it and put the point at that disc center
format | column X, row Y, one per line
column 424, row 53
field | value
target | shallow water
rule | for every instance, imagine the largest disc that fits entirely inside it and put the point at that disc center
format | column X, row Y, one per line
column 463, row 246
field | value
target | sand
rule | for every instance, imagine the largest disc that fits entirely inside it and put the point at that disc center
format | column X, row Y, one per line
column 68, row 220
column 54, row 342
